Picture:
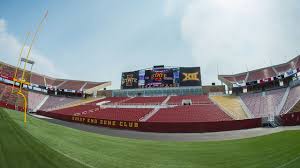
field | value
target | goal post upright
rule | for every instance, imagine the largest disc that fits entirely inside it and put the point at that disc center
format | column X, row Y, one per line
column 15, row 79
column 26, row 60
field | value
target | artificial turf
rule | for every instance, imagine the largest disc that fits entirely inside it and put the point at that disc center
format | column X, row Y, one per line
column 276, row 150
column 19, row 149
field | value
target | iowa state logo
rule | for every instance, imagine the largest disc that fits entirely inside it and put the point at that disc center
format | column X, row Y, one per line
column 158, row 76
column 130, row 80
column 190, row 76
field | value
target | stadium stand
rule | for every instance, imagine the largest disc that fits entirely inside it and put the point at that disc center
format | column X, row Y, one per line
column 292, row 99
column 261, row 74
column 37, row 79
column 145, row 100
column 58, row 82
column 196, row 99
column 176, row 108
column 230, row 78
column 125, row 114
column 49, row 81
column 92, row 111
column 7, row 71
column 7, row 97
column 80, row 110
column 79, row 102
column 55, row 102
column 240, row 77
column 296, row 108
column 231, row 105
column 297, row 64
column 112, row 100
column 91, row 85
column 34, row 99
column 284, row 67
column 263, row 104
column 193, row 113
column 72, row 85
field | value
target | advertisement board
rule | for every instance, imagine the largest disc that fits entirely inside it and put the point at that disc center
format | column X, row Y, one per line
column 130, row 80
column 189, row 76
column 161, row 77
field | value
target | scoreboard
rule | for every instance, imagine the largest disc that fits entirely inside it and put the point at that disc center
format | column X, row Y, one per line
column 159, row 76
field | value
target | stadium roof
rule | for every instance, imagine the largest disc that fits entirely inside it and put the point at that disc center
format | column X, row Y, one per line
column 262, row 73
column 47, row 81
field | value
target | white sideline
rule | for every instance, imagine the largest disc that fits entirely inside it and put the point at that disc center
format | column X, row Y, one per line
column 41, row 117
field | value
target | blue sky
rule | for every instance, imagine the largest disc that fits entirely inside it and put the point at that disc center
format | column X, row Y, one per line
column 98, row 40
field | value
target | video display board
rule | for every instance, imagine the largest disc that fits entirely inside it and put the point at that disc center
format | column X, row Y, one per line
column 190, row 76
column 161, row 77
column 130, row 80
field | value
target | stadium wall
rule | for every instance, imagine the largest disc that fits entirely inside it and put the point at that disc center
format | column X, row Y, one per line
column 163, row 127
column 10, row 106
column 290, row 119
column 213, row 88
column 106, row 93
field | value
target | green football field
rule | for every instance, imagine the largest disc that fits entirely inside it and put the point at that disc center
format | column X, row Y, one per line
column 43, row 144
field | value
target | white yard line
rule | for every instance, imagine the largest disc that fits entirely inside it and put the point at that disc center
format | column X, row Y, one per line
column 289, row 162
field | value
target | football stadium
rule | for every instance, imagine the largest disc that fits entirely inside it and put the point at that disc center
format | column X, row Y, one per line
column 159, row 116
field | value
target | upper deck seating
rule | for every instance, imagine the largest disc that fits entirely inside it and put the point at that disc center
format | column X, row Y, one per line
column 49, row 81
column 283, row 67
column 230, row 79
column 37, row 79
column 72, row 85
column 57, row 82
column 90, row 85
column 261, row 74
column 240, row 77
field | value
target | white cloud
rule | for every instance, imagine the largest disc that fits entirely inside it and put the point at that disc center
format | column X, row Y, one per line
column 2, row 25
column 234, row 34
column 175, row 7
column 10, row 48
